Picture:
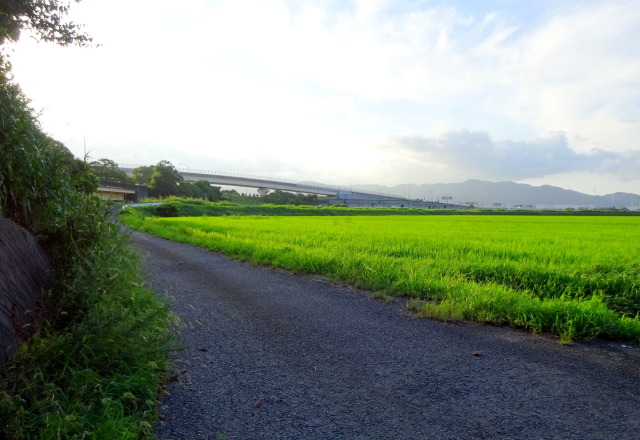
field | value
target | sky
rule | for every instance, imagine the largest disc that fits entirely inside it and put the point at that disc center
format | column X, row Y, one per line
column 352, row 92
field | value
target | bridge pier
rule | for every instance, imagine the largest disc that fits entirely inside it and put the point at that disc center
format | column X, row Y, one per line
column 263, row 191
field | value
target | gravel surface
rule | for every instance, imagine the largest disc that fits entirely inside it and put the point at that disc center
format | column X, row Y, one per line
column 273, row 355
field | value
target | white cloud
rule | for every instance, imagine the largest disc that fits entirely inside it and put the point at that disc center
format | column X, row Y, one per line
column 304, row 89
column 580, row 73
column 460, row 153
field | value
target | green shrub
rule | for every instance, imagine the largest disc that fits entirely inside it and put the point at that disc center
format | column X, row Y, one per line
column 101, row 375
column 167, row 210
column 94, row 371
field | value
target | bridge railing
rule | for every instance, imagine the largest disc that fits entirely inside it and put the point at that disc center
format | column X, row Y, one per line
column 266, row 179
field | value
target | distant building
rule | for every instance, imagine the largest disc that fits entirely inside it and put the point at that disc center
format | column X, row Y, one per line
column 563, row 207
column 121, row 192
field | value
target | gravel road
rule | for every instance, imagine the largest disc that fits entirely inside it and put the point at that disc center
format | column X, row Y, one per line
column 273, row 355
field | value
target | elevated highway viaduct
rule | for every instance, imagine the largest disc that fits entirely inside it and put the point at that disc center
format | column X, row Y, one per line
column 336, row 194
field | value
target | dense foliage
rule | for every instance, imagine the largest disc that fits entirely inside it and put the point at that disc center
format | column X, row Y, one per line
column 277, row 197
column 100, row 375
column 165, row 180
column 200, row 189
column 107, row 169
column 46, row 18
column 142, row 175
column 95, row 369
column 41, row 183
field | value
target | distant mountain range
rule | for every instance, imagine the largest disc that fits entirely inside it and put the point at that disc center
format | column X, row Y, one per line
column 508, row 195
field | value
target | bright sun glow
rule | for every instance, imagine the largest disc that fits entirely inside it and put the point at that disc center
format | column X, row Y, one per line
column 381, row 91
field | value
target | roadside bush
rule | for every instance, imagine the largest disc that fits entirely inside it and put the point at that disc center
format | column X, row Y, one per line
column 95, row 369
column 99, row 376
column 167, row 210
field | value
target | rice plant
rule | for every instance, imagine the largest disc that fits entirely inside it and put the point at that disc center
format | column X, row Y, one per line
column 574, row 276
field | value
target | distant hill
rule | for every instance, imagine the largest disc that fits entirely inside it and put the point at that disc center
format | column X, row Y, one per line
column 508, row 195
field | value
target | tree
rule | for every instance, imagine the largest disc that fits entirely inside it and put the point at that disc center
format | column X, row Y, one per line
column 46, row 18
column 106, row 169
column 142, row 175
column 229, row 194
column 165, row 180
column 213, row 193
column 279, row 197
column 201, row 189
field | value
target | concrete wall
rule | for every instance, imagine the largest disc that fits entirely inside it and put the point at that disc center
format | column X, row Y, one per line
column 24, row 272
column 110, row 195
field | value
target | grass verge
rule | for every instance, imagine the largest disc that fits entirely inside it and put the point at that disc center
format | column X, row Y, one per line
column 100, row 376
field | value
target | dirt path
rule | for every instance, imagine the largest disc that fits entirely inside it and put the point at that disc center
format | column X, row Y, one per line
column 271, row 355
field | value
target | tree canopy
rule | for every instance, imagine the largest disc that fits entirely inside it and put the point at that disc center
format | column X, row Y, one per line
column 201, row 190
column 142, row 175
column 165, row 180
column 107, row 169
column 46, row 18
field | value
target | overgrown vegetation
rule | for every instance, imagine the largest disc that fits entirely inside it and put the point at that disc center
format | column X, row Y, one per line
column 95, row 369
column 543, row 273
column 97, row 372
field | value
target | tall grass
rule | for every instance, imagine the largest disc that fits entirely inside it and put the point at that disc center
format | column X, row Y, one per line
column 95, row 369
column 99, row 377
column 578, row 277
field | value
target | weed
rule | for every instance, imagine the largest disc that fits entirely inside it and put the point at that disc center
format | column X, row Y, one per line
column 94, row 371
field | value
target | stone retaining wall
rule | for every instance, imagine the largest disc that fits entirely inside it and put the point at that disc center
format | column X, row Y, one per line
column 24, row 273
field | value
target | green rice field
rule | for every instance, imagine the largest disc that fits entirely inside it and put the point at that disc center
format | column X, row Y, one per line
column 575, row 277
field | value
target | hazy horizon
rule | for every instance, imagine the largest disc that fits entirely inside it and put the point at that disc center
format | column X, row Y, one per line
column 354, row 92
